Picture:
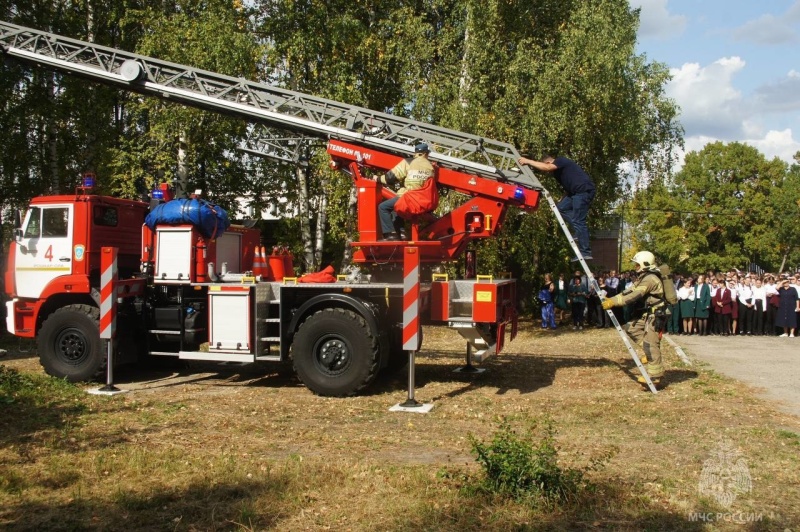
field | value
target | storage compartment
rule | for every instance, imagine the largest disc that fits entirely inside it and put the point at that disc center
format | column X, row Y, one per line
column 229, row 318
column 229, row 250
column 174, row 257
column 461, row 298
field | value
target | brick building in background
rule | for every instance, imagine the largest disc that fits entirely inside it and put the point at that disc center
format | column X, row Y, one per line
column 606, row 248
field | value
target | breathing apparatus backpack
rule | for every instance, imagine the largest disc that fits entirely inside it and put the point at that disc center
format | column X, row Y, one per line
column 669, row 296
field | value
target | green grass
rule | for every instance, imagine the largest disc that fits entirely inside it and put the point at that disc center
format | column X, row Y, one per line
column 568, row 442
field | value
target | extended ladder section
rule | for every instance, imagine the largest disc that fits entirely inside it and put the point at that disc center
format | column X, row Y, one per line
column 276, row 111
column 268, row 105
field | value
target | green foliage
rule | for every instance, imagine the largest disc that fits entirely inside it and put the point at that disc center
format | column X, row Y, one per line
column 163, row 140
column 546, row 75
column 518, row 466
column 17, row 387
column 11, row 382
column 727, row 207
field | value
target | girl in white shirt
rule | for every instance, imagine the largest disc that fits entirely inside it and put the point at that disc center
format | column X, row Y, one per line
column 734, row 304
column 686, row 304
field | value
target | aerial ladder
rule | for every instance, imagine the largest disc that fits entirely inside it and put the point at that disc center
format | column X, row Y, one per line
column 359, row 140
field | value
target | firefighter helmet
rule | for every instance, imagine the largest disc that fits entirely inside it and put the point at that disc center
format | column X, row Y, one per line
column 644, row 261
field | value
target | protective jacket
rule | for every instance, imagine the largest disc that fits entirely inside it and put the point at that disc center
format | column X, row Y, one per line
column 649, row 316
column 648, row 290
column 411, row 174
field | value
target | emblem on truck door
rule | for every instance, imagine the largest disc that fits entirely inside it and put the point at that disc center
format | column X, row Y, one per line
column 79, row 252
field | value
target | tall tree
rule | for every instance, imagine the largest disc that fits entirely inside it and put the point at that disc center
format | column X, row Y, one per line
column 545, row 74
column 728, row 206
column 163, row 140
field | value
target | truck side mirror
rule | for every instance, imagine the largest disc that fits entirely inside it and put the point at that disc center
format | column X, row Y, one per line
column 18, row 234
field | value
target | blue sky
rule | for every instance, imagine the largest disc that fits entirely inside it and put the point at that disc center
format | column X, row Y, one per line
column 735, row 68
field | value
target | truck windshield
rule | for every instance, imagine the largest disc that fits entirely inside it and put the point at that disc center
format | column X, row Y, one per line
column 33, row 229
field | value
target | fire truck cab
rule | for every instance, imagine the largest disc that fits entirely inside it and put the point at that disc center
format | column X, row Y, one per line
column 54, row 271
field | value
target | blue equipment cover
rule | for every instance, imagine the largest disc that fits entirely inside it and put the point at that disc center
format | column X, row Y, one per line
column 211, row 220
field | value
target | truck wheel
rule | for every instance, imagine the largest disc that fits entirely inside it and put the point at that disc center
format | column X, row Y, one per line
column 335, row 353
column 69, row 344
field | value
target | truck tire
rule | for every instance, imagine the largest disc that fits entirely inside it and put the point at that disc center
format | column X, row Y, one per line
column 70, row 346
column 335, row 354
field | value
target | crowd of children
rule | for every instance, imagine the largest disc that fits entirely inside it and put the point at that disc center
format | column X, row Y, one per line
column 732, row 303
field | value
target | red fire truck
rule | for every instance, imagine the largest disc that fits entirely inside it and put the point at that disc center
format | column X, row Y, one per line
column 339, row 334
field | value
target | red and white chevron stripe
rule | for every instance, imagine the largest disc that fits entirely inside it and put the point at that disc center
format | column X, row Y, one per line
column 108, row 295
column 411, row 327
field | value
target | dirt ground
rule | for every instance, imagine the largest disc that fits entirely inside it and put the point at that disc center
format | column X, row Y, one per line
column 582, row 380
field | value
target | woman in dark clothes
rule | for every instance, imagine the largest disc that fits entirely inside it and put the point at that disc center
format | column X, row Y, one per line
column 787, row 308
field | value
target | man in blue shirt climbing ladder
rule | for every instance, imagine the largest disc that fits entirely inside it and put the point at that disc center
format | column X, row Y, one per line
column 579, row 192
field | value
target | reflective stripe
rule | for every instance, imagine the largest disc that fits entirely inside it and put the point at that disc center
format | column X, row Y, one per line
column 108, row 296
column 411, row 299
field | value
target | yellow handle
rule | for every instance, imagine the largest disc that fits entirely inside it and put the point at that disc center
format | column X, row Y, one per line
column 484, row 278
column 341, row 277
column 290, row 279
column 248, row 279
column 441, row 276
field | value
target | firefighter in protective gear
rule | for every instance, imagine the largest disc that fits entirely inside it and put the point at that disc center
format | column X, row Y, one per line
column 647, row 297
column 411, row 175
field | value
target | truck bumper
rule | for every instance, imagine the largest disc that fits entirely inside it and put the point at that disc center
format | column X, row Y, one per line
column 10, row 316
column 21, row 317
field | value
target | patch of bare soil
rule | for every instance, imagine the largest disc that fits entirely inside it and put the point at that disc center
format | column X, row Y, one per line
column 584, row 381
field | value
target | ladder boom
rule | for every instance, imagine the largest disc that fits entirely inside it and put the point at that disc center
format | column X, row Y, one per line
column 268, row 105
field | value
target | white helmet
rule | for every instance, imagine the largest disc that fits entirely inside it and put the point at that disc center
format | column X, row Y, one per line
column 644, row 260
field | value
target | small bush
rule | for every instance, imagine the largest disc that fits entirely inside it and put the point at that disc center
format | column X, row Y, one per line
column 520, row 467
column 40, row 390
column 11, row 382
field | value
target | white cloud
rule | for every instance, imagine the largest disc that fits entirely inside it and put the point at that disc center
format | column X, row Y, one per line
column 781, row 144
column 780, row 96
column 709, row 103
column 793, row 13
column 655, row 20
column 767, row 29
column 771, row 29
column 712, row 109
